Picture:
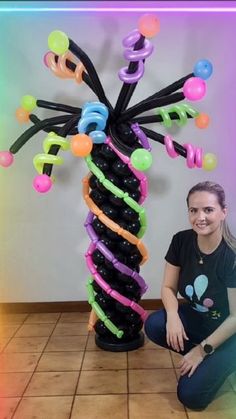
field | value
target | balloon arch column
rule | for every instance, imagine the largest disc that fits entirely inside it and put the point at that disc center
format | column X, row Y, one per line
column 116, row 149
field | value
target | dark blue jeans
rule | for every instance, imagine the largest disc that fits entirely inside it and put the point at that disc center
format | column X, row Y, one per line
column 199, row 390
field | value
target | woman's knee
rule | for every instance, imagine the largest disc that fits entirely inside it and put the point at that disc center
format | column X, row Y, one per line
column 190, row 397
column 155, row 327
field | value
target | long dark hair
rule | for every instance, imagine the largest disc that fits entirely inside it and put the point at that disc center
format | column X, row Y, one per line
column 218, row 191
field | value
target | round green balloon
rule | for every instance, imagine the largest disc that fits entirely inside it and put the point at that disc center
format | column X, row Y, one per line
column 141, row 159
column 28, row 103
column 209, row 162
column 58, row 42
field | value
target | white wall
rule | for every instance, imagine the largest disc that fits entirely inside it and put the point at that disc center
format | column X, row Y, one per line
column 42, row 236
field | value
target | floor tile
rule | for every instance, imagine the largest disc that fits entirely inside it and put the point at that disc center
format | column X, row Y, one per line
column 13, row 384
column 39, row 330
column 44, row 408
column 8, row 330
column 91, row 345
column 152, row 359
column 29, row 344
column 42, row 318
column 176, row 358
column 96, row 360
column 3, row 342
column 66, row 343
column 8, row 406
column 18, row 362
column 70, row 329
column 100, row 407
column 74, row 317
column 153, row 406
column 13, row 318
column 52, row 384
column 60, row 361
column 223, row 407
column 152, row 381
column 102, row 382
column 148, row 344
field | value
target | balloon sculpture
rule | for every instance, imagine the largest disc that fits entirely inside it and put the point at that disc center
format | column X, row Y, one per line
column 116, row 149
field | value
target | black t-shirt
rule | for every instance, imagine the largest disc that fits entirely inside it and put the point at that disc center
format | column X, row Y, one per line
column 205, row 285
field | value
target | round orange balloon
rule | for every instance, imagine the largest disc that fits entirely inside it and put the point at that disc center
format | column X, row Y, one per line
column 202, row 120
column 22, row 115
column 81, row 145
column 149, row 25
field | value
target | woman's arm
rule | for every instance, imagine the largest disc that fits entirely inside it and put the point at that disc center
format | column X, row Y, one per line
column 175, row 333
column 169, row 288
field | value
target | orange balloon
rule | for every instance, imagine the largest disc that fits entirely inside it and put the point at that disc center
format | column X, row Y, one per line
column 81, row 145
column 149, row 25
column 202, row 120
column 22, row 115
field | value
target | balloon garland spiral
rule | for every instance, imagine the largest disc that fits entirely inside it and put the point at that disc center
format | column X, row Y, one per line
column 115, row 145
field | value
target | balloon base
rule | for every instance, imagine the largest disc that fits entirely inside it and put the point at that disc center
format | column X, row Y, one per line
column 108, row 345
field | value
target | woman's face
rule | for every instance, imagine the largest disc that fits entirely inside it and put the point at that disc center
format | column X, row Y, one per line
column 205, row 213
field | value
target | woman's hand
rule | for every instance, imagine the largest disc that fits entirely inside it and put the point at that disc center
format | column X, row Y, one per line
column 191, row 360
column 175, row 333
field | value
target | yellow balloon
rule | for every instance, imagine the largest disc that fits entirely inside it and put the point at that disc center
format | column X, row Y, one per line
column 209, row 162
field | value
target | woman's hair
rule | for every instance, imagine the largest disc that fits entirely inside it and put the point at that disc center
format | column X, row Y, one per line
column 218, row 191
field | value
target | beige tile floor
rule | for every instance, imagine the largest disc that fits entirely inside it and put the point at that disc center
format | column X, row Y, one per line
column 51, row 368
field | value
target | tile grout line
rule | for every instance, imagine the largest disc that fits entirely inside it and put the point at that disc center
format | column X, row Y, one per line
column 81, row 366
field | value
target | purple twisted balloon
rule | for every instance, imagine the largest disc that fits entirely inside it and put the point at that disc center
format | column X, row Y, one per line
column 134, row 56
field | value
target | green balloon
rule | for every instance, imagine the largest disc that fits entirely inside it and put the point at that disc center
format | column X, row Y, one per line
column 58, row 42
column 28, row 103
column 141, row 159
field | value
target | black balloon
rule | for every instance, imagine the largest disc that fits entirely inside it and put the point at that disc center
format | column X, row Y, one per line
column 96, row 287
column 129, row 214
column 114, row 179
column 93, row 182
column 98, row 197
column 101, row 187
column 105, row 274
column 109, row 211
column 97, row 257
column 120, row 256
column 107, row 152
column 101, row 329
column 101, row 163
column 112, row 235
column 110, row 244
column 104, row 302
column 120, row 168
column 131, row 183
column 124, row 278
column 134, row 259
column 133, row 226
column 126, row 134
column 118, row 202
column 98, row 226
column 135, row 195
column 126, row 247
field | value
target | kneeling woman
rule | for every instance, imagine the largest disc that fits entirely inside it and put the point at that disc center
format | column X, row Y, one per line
column 201, row 266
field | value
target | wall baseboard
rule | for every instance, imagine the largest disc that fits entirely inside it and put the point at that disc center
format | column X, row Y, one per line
column 64, row 306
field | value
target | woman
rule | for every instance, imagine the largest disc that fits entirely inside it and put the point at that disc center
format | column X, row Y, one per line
column 201, row 266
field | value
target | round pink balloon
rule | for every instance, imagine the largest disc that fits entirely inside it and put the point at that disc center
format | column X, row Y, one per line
column 6, row 158
column 208, row 302
column 194, row 88
column 42, row 183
